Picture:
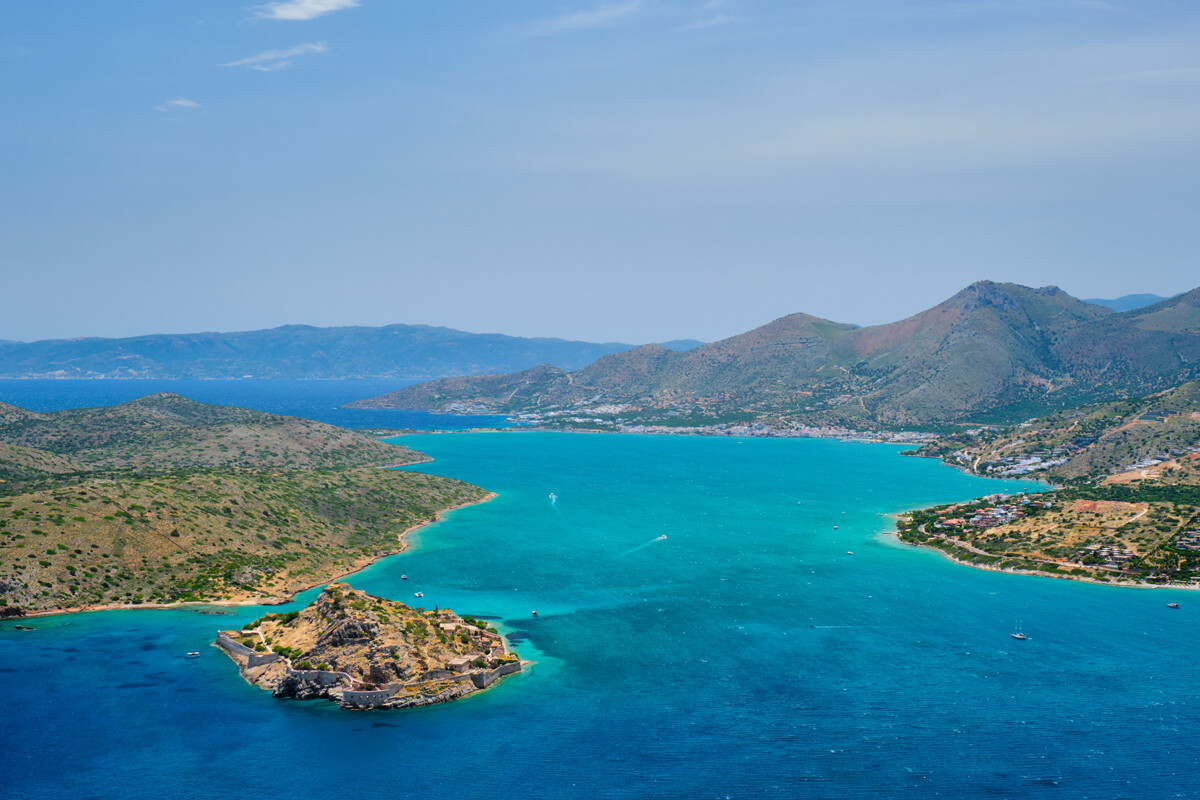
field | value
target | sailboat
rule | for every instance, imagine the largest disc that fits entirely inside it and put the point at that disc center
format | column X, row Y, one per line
column 1017, row 634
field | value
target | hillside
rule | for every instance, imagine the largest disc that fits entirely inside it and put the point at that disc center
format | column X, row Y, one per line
column 165, row 500
column 1089, row 443
column 298, row 351
column 167, row 431
column 1131, row 509
column 992, row 351
column 207, row 535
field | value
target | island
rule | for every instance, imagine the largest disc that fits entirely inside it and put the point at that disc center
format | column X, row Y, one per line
column 365, row 652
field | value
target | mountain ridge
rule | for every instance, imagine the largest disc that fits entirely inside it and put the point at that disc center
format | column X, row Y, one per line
column 299, row 352
column 991, row 349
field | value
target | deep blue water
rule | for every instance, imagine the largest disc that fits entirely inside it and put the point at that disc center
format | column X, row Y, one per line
column 317, row 400
column 748, row 654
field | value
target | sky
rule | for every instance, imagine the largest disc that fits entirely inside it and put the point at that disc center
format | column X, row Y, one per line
column 607, row 170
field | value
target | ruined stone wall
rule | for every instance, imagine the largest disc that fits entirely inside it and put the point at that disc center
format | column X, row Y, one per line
column 366, row 699
column 318, row 676
column 258, row 659
column 482, row 680
column 230, row 646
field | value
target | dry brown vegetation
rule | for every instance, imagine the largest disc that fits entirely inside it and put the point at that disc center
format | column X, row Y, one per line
column 165, row 500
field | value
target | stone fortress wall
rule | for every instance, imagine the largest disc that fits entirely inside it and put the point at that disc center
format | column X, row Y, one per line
column 482, row 680
column 322, row 678
column 341, row 687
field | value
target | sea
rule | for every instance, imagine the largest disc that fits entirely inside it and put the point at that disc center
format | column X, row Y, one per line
column 716, row 618
column 319, row 400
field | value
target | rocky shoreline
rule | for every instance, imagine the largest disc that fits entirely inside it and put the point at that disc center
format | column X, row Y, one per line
column 365, row 652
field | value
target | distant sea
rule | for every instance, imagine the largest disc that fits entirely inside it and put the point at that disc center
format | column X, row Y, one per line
column 317, row 400
column 717, row 618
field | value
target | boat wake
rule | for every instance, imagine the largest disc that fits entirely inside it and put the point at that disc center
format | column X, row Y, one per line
column 641, row 546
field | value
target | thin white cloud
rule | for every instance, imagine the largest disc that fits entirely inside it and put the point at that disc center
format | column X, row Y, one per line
column 600, row 17
column 982, row 106
column 710, row 22
column 301, row 10
column 178, row 102
column 275, row 60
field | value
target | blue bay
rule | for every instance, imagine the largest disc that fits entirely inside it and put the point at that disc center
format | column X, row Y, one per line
column 748, row 654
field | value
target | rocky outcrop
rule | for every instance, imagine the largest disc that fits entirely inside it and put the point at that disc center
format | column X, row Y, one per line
column 363, row 652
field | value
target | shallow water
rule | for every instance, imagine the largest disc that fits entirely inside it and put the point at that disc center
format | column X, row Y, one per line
column 747, row 654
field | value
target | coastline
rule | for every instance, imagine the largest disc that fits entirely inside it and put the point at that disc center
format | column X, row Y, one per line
column 1037, row 574
column 245, row 599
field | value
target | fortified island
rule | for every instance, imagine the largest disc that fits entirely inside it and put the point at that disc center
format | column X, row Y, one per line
column 367, row 652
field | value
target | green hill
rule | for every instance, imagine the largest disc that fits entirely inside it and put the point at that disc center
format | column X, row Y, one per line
column 163, row 500
column 167, row 431
column 1084, row 444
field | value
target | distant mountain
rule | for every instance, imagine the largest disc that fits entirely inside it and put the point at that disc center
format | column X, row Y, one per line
column 297, row 351
column 1127, row 302
column 682, row 345
column 992, row 350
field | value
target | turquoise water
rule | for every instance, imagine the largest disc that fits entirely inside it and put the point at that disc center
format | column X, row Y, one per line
column 748, row 654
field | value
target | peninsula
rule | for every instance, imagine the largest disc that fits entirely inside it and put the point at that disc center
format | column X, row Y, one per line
column 164, row 500
column 1128, row 510
column 364, row 652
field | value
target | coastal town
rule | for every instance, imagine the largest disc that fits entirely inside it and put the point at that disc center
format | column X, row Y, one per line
column 607, row 417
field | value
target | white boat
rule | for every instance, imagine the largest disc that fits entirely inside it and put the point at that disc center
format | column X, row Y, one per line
column 1017, row 634
column 418, row 594
column 193, row 654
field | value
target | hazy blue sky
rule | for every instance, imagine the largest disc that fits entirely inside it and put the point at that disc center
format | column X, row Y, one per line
column 631, row 170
